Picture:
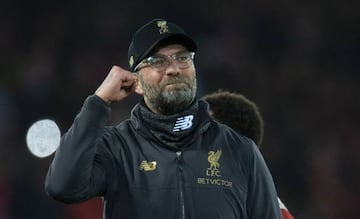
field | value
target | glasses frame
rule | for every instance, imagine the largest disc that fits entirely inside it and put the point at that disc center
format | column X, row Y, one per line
column 167, row 57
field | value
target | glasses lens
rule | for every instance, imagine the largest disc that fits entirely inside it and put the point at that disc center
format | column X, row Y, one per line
column 184, row 59
column 157, row 61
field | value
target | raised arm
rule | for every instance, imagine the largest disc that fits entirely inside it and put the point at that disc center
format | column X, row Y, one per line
column 82, row 161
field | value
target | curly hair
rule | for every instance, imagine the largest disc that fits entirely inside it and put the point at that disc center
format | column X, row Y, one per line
column 238, row 112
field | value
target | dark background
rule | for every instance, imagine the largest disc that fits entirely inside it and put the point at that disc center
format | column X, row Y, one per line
column 299, row 61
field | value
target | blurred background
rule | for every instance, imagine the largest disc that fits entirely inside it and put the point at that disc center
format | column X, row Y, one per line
column 299, row 61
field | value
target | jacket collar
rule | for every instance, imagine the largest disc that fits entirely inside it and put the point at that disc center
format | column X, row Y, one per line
column 173, row 131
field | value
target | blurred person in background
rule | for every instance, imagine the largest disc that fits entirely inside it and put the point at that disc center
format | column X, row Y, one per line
column 243, row 115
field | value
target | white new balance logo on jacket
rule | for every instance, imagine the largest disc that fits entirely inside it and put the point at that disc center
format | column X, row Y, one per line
column 183, row 123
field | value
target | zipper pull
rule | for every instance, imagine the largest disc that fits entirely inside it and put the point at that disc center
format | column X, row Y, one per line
column 178, row 155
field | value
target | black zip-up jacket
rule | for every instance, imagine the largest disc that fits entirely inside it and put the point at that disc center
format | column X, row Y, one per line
column 215, row 173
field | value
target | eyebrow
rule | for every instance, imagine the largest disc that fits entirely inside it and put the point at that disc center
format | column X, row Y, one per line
column 180, row 51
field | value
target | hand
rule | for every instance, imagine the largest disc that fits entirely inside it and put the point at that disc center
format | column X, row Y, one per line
column 118, row 84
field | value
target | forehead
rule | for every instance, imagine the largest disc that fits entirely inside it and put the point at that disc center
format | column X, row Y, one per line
column 170, row 49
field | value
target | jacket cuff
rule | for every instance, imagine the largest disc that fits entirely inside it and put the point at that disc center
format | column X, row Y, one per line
column 96, row 105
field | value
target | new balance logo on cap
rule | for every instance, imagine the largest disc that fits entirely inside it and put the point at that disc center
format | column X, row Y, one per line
column 183, row 123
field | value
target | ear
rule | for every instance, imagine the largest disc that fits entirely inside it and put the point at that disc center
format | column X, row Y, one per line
column 138, row 88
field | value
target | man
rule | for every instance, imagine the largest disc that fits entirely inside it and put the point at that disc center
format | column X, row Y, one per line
column 170, row 159
column 243, row 115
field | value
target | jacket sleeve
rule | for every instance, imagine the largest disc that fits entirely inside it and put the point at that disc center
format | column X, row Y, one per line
column 262, row 196
column 77, row 171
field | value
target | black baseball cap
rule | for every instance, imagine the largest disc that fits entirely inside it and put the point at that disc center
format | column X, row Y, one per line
column 157, row 31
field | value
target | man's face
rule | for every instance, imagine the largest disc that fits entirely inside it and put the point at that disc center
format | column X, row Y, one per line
column 171, row 88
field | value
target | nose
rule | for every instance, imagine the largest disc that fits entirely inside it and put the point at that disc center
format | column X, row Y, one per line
column 172, row 68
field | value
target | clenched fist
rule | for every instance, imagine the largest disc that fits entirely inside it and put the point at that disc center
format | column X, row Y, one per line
column 118, row 84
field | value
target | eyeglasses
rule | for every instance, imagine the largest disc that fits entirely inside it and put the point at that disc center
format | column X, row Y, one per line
column 161, row 62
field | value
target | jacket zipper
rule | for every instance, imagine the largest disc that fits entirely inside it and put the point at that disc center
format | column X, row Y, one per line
column 180, row 178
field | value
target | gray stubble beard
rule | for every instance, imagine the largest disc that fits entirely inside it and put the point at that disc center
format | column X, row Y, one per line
column 168, row 102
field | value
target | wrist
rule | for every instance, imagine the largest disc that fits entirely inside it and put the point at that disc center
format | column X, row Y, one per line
column 108, row 102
